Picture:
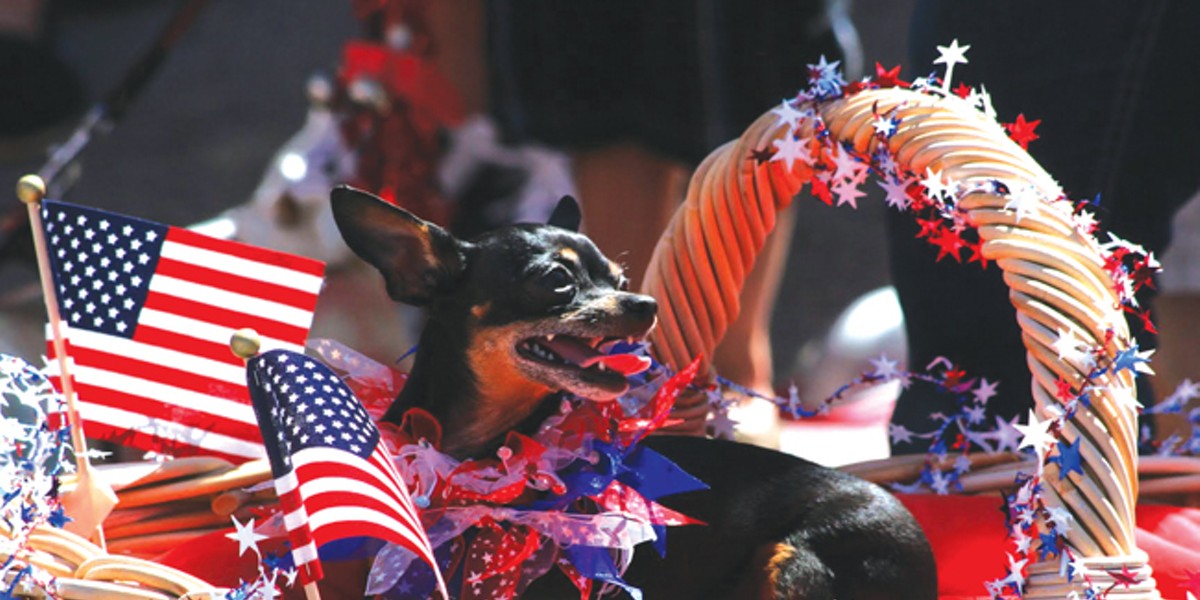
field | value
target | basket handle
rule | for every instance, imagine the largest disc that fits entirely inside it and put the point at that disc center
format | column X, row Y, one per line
column 1055, row 275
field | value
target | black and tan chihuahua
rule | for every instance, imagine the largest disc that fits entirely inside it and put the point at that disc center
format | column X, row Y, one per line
column 520, row 314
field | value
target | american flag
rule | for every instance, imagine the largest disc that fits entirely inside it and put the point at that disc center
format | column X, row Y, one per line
column 148, row 311
column 333, row 474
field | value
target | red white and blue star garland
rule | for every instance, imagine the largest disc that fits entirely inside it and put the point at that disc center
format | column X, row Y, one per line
column 35, row 449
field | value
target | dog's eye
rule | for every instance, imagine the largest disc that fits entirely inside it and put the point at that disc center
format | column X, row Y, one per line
column 559, row 280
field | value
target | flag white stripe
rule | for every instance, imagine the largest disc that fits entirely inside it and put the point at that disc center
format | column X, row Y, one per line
column 170, row 430
column 305, row 554
column 295, row 519
column 286, row 483
column 158, row 355
column 242, row 266
column 167, row 394
column 190, row 290
column 205, row 331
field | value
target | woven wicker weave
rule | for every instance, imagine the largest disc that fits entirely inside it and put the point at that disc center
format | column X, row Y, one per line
column 1055, row 275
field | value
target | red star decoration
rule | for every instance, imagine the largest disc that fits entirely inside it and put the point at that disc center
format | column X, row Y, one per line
column 820, row 189
column 1021, row 131
column 954, row 377
column 762, row 155
column 976, row 249
column 1143, row 274
column 854, row 87
column 917, row 199
column 1063, row 391
column 1114, row 261
column 948, row 243
column 886, row 78
column 962, row 90
column 1124, row 577
column 929, row 227
column 1144, row 316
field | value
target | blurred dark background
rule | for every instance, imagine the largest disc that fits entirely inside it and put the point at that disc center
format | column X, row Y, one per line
column 198, row 139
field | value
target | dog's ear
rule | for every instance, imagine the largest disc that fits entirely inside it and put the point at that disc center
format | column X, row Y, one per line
column 417, row 258
column 566, row 215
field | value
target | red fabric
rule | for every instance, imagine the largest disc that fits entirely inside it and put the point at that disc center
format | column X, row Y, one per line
column 966, row 532
column 969, row 543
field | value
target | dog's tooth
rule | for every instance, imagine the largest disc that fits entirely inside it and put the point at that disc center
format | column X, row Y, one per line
column 602, row 367
column 550, row 337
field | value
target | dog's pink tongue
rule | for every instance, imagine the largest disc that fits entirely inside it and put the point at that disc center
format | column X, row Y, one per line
column 576, row 351
column 625, row 364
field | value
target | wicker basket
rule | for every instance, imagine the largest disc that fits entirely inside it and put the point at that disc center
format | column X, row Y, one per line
column 1055, row 276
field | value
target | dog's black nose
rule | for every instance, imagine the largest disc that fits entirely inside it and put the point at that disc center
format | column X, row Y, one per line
column 637, row 305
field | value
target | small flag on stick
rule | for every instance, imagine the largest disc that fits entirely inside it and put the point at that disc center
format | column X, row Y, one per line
column 333, row 474
column 147, row 312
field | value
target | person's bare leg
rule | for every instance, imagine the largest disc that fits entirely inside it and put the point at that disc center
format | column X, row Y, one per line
column 744, row 356
column 459, row 35
column 628, row 196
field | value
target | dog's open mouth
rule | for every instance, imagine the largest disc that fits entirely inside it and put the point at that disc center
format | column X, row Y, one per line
column 593, row 365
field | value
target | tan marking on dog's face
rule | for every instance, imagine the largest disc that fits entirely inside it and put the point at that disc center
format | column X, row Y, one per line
column 569, row 254
column 616, row 270
column 479, row 311
column 506, row 395
column 609, row 305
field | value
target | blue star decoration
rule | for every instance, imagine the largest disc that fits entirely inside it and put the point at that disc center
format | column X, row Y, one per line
column 1068, row 459
column 1049, row 547
column 1131, row 359
column 58, row 518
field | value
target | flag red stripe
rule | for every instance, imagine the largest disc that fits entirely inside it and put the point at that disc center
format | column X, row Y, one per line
column 291, row 501
column 336, row 497
column 236, row 283
column 225, row 317
column 333, row 499
column 287, row 261
column 382, row 459
column 150, row 371
column 137, row 439
column 153, row 336
column 158, row 409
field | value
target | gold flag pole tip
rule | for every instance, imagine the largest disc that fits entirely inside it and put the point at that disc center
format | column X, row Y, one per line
column 31, row 189
column 245, row 343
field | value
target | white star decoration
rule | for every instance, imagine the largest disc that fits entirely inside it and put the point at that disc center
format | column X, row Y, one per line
column 1024, row 201
column 1036, row 434
column 1072, row 349
column 245, row 536
column 950, row 56
column 788, row 115
column 789, row 149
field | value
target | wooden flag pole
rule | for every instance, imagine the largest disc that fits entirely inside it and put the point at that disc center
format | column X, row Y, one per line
column 245, row 344
column 31, row 190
